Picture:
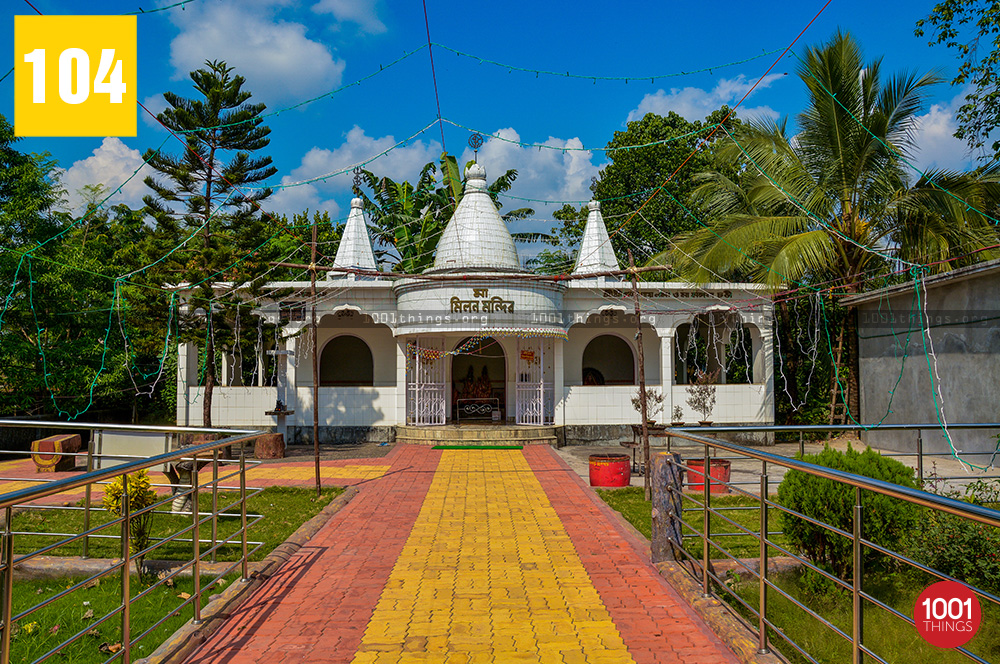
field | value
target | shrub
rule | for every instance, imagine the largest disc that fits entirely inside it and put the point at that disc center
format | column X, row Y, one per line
column 959, row 547
column 885, row 521
column 140, row 496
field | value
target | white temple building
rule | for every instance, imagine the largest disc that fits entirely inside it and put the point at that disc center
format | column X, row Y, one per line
column 477, row 338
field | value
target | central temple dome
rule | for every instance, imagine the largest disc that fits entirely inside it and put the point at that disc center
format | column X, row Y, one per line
column 476, row 238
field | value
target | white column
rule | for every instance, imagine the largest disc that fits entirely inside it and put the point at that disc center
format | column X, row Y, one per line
column 288, row 377
column 400, row 380
column 667, row 373
column 558, row 383
column 764, row 363
column 187, row 365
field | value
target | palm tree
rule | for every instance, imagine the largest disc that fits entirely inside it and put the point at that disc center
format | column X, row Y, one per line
column 836, row 202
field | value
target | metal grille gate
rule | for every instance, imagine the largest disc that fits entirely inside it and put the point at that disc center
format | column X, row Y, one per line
column 535, row 389
column 425, row 381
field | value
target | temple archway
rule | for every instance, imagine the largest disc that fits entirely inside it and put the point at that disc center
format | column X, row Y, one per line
column 479, row 380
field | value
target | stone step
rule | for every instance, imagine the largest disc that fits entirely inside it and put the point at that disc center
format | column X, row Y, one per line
column 474, row 435
column 479, row 443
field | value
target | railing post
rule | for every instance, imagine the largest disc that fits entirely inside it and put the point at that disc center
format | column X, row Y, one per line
column 7, row 594
column 706, row 525
column 215, row 500
column 802, row 445
column 126, row 577
column 762, row 628
column 86, row 494
column 920, row 457
column 196, row 541
column 243, row 510
column 858, row 608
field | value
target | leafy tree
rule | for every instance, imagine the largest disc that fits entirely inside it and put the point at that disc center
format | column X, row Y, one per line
column 566, row 238
column 836, row 204
column 625, row 184
column 407, row 220
column 204, row 205
column 963, row 25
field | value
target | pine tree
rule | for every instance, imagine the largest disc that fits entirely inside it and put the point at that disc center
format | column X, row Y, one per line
column 204, row 203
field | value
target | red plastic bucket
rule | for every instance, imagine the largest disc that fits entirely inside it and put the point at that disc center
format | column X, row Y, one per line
column 610, row 469
column 718, row 472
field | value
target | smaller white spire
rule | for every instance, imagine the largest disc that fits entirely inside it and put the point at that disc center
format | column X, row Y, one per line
column 596, row 253
column 355, row 249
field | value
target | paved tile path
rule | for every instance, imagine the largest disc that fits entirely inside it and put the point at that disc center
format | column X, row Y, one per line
column 467, row 556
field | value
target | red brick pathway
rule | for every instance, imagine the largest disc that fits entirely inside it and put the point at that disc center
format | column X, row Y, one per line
column 656, row 624
column 318, row 607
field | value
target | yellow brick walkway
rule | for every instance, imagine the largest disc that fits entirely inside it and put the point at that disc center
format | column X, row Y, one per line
column 489, row 574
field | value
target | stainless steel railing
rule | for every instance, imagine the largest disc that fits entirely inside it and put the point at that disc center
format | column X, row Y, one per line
column 919, row 455
column 670, row 532
column 28, row 499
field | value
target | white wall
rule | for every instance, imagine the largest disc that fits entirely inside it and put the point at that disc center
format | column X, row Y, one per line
column 378, row 337
column 600, row 404
column 733, row 404
column 582, row 334
column 348, row 406
column 231, row 406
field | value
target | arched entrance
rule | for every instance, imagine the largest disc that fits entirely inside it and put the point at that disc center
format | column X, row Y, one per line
column 479, row 381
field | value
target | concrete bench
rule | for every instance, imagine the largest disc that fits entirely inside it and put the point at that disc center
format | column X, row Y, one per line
column 55, row 453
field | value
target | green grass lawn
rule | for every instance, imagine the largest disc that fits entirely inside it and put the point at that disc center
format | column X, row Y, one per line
column 284, row 509
column 884, row 633
column 742, row 510
column 47, row 628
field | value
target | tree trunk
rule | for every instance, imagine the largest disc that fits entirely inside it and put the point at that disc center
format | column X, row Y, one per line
column 854, row 365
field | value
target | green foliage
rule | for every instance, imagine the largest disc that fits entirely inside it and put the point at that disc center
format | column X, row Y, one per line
column 140, row 496
column 816, row 208
column 886, row 521
column 207, row 230
column 972, row 29
column 803, row 363
column 642, row 169
column 565, row 237
column 962, row 548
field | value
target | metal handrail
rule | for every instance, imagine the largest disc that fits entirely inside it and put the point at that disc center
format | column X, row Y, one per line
column 922, row 498
column 208, row 452
column 669, row 499
column 69, row 483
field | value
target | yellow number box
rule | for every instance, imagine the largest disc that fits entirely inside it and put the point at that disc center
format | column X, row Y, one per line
column 75, row 76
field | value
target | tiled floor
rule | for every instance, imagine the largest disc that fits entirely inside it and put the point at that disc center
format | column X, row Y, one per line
column 468, row 556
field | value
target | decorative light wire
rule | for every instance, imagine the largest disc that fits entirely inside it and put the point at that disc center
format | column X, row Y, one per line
column 595, row 78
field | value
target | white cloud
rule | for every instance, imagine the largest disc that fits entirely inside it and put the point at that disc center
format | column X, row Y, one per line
column 547, row 173
column 696, row 103
column 276, row 57
column 402, row 163
column 156, row 104
column 361, row 12
column 934, row 137
column 110, row 165
column 295, row 200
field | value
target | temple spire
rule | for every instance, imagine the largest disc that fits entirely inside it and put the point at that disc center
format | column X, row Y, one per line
column 596, row 253
column 355, row 249
column 476, row 237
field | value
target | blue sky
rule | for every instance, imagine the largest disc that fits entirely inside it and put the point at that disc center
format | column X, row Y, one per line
column 291, row 51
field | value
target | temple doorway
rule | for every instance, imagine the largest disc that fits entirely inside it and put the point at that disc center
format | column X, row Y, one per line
column 479, row 381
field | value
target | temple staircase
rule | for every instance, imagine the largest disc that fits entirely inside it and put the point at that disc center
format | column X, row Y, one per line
column 477, row 435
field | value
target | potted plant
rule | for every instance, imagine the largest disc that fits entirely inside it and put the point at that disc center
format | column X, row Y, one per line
column 678, row 420
column 702, row 391
column 654, row 404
